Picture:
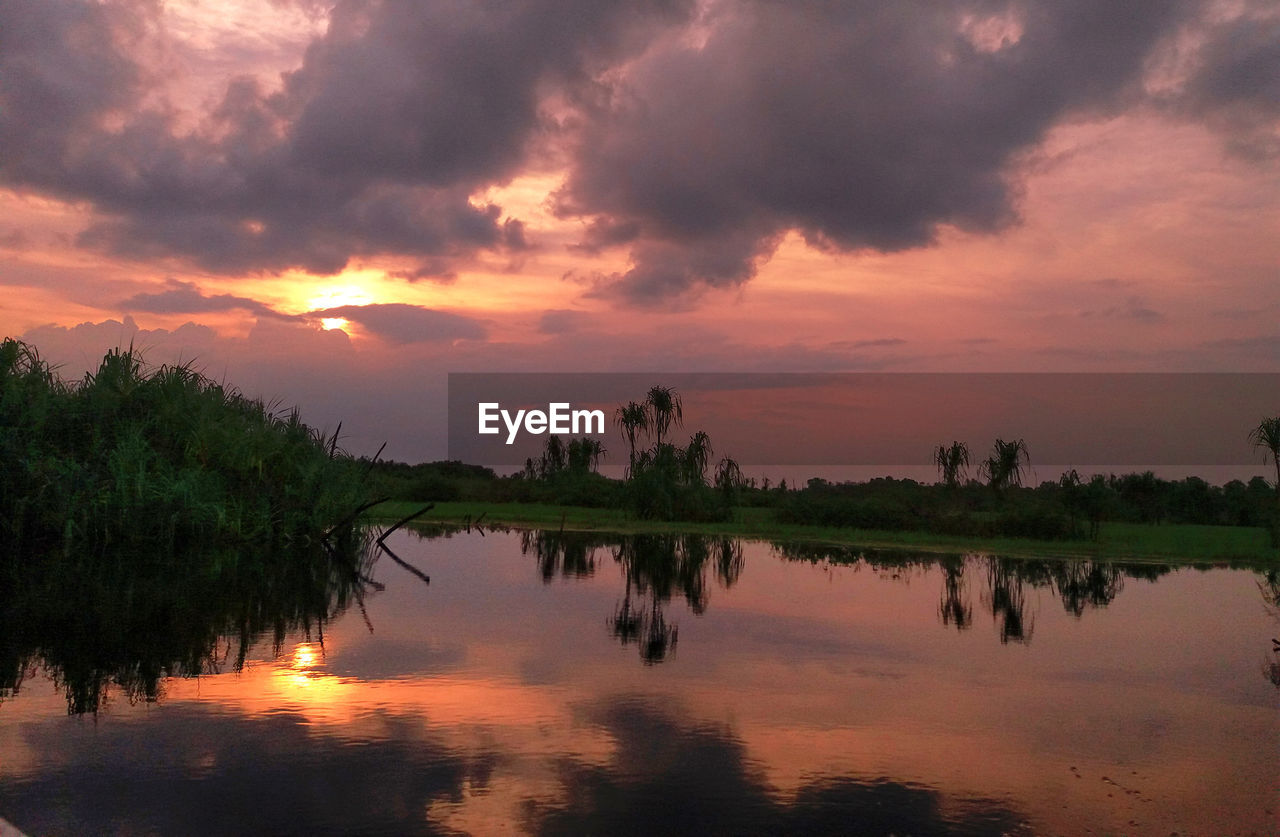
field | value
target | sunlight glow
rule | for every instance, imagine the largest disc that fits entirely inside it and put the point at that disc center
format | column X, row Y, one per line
column 305, row 656
column 336, row 296
column 330, row 323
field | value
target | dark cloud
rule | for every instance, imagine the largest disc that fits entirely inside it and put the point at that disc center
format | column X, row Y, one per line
column 400, row 323
column 668, row 776
column 14, row 239
column 1235, row 85
column 185, row 298
column 562, row 321
column 862, row 125
column 397, row 115
column 1265, row 346
column 253, row 774
column 1134, row 308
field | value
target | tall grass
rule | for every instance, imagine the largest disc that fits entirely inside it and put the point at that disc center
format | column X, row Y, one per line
column 162, row 457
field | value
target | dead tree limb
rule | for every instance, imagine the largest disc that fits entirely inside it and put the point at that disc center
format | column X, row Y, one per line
column 419, row 513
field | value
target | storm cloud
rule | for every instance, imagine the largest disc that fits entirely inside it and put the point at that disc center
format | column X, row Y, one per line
column 374, row 145
column 185, row 298
column 691, row 137
column 861, row 125
column 397, row 322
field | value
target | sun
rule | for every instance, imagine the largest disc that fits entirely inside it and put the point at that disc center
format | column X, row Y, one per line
column 337, row 296
column 331, row 323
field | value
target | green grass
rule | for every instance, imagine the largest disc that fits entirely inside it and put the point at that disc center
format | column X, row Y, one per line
column 1182, row 544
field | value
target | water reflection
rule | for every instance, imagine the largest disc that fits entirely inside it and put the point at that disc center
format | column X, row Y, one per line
column 670, row 776
column 130, row 621
column 654, row 569
column 1081, row 585
column 1269, row 587
column 816, row 689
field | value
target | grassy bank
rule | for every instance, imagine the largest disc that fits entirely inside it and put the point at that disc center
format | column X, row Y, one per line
column 156, row 459
column 1183, row 544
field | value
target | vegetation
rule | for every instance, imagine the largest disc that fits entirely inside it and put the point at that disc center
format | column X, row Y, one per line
column 162, row 458
column 1169, row 543
column 668, row 483
column 952, row 463
column 1267, row 437
column 147, row 614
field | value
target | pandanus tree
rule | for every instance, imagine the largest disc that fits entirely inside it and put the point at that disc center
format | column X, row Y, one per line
column 633, row 419
column 952, row 462
column 1267, row 437
column 665, row 409
column 1006, row 464
column 696, row 456
column 584, row 454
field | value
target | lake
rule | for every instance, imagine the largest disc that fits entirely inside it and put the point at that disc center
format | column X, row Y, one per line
column 573, row 683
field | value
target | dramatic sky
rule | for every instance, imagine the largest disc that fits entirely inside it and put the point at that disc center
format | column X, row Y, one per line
column 334, row 205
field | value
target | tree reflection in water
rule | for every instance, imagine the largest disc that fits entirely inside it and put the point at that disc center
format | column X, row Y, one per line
column 654, row 567
column 131, row 620
column 1269, row 587
column 1079, row 584
column 657, row 567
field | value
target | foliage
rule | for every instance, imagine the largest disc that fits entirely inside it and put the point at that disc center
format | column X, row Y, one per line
column 166, row 457
column 952, row 462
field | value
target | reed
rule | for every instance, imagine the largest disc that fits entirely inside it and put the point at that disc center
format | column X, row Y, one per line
column 162, row 457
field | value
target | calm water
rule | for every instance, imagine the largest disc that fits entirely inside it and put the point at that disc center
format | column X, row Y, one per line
column 594, row 685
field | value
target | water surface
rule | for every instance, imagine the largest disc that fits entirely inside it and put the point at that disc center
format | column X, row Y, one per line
column 552, row 683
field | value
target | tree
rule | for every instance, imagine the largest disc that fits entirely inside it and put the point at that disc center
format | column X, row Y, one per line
column 952, row 462
column 696, row 456
column 584, row 454
column 1005, row 466
column 665, row 409
column 632, row 419
column 1267, row 436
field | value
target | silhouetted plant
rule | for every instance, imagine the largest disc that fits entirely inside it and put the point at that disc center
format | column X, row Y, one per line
column 1267, row 437
column 665, row 409
column 633, row 419
column 1006, row 464
column 952, row 462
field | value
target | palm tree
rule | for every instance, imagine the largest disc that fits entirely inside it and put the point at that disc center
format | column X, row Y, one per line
column 696, row 456
column 1267, row 435
column 632, row 418
column 1005, row 466
column 665, row 408
column 952, row 462
column 584, row 454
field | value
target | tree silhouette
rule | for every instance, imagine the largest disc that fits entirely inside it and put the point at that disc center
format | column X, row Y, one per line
column 665, row 409
column 1005, row 466
column 1267, row 436
column 952, row 462
column 633, row 419
column 696, row 456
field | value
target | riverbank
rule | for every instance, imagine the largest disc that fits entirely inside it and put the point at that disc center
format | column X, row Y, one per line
column 1173, row 544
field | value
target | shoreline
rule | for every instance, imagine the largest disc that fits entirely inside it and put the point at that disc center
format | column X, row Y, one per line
column 1178, row 544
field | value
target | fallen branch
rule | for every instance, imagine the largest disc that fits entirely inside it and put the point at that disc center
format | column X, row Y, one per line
column 410, row 518
column 410, row 567
column 351, row 517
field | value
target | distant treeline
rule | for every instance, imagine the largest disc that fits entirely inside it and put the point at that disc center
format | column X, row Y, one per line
column 1065, row 509
column 162, row 458
column 665, row 481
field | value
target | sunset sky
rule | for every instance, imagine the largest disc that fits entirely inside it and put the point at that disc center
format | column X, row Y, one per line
column 335, row 205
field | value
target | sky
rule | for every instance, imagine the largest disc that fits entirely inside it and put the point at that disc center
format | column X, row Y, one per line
column 335, row 205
